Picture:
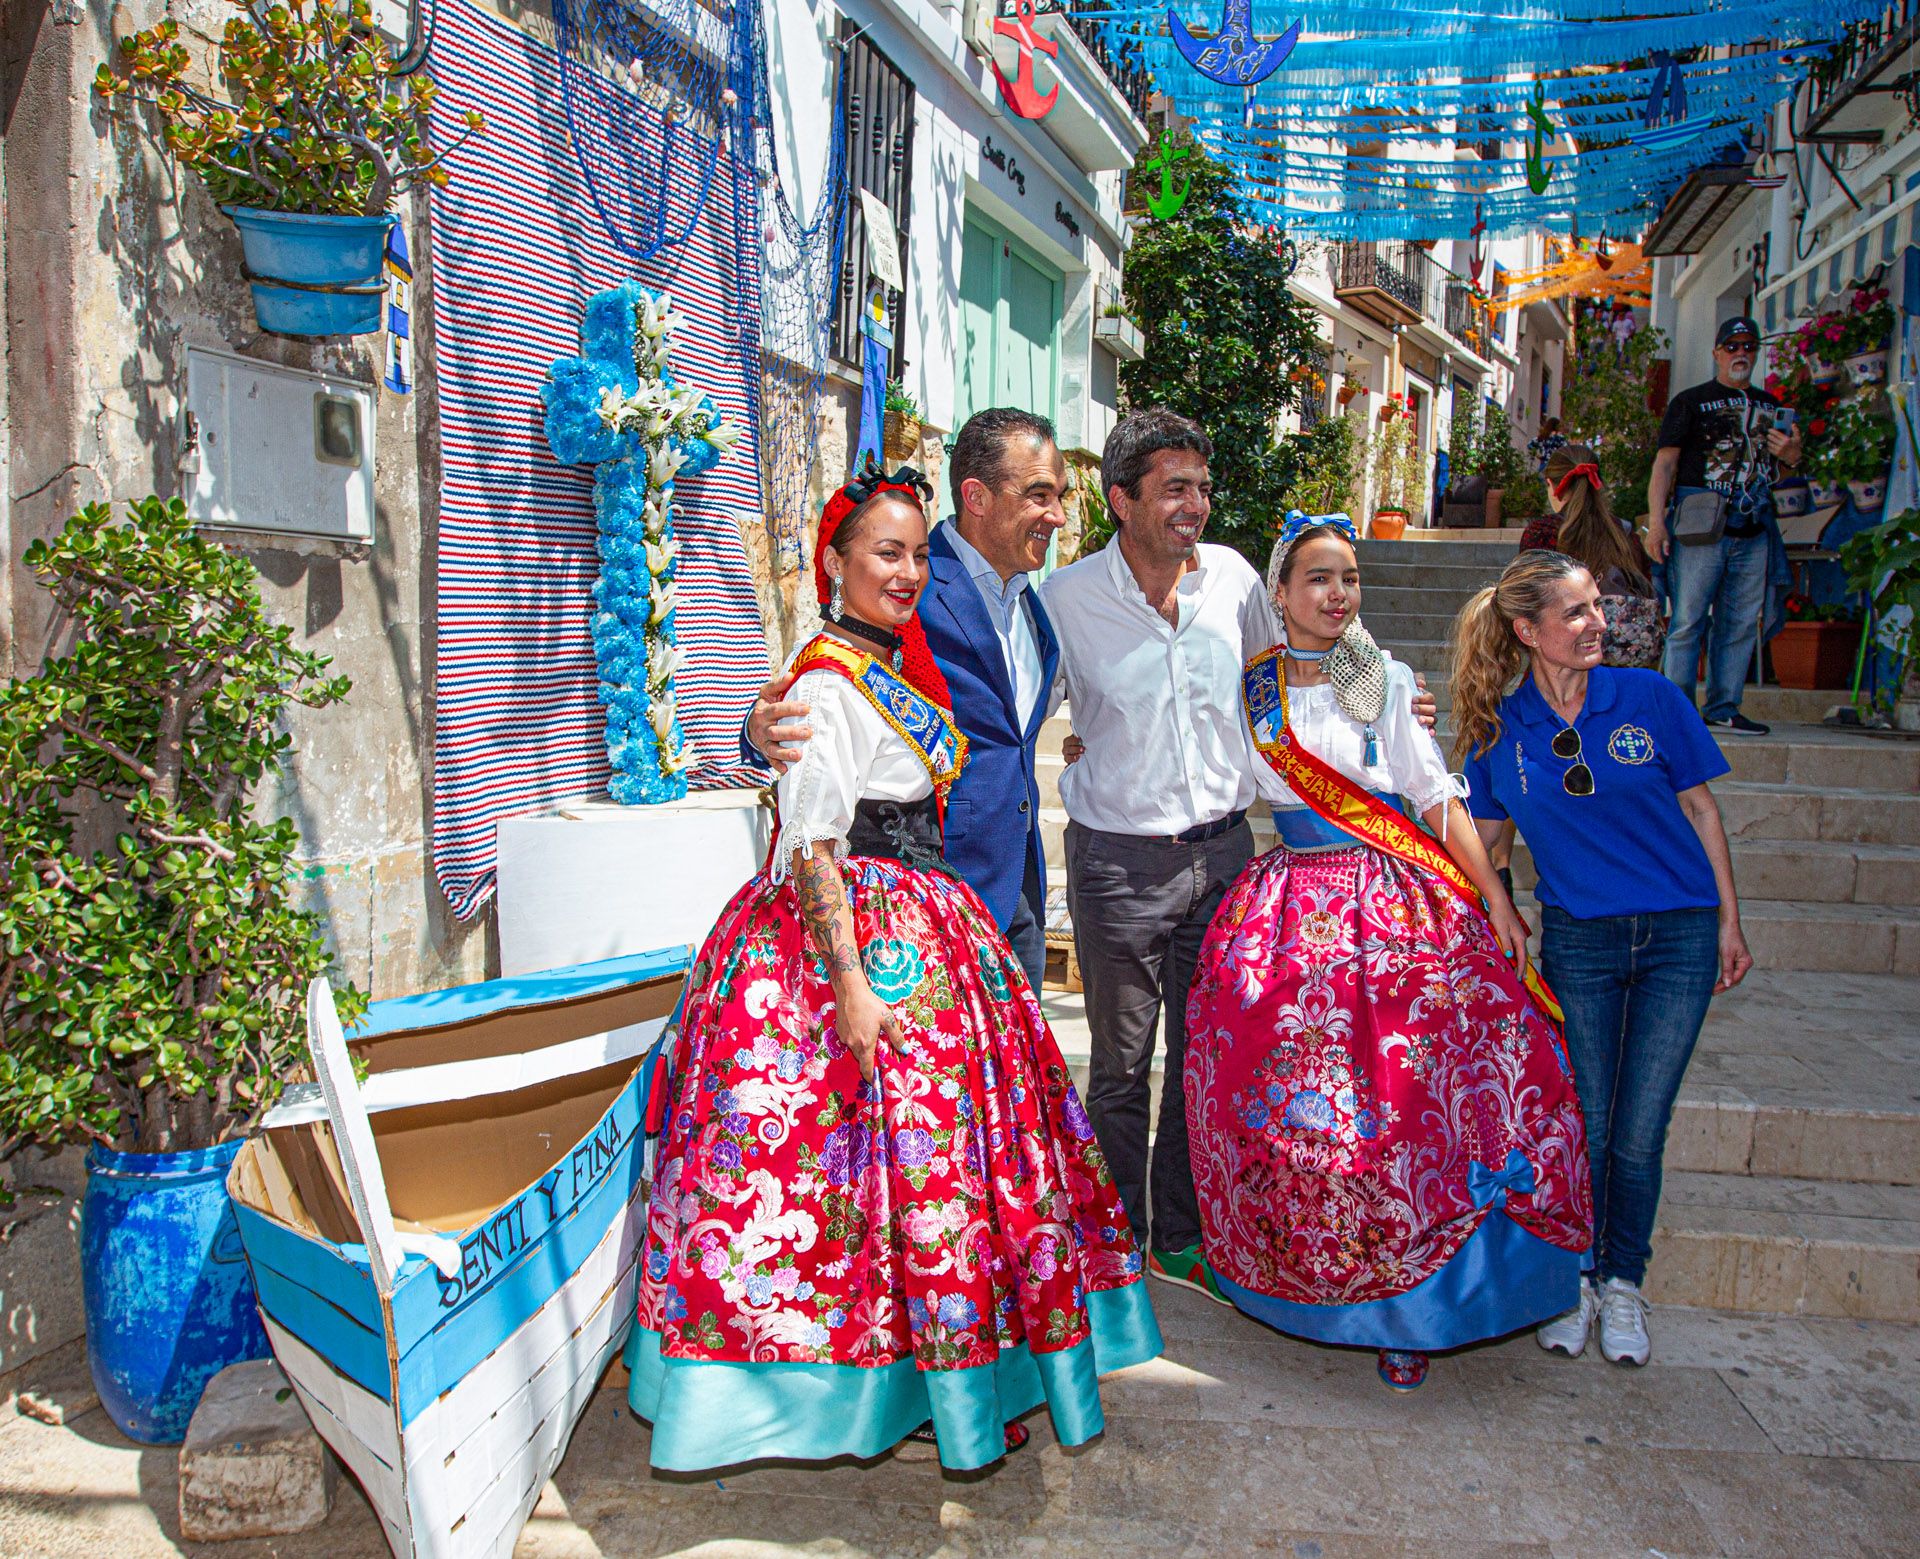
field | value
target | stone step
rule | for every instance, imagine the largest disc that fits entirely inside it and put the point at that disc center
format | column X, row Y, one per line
column 1815, row 871
column 1425, row 622
column 1455, row 579
column 1771, row 1245
column 1846, row 815
column 1494, row 553
column 1818, row 757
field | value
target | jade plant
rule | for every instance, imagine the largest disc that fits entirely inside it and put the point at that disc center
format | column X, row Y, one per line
column 153, row 961
column 314, row 118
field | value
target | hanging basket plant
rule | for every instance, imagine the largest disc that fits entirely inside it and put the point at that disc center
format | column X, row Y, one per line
column 314, row 139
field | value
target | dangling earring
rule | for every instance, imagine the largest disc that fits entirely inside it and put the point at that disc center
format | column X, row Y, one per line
column 838, row 603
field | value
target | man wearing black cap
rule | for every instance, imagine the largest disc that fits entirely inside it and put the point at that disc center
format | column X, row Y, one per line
column 1720, row 438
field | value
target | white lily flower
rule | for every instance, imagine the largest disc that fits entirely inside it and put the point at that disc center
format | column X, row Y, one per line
column 724, row 435
column 662, row 598
column 683, row 757
column 660, row 712
column 660, row 555
column 664, row 659
column 666, row 466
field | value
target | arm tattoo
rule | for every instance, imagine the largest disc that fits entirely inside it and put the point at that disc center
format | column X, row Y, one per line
column 823, row 900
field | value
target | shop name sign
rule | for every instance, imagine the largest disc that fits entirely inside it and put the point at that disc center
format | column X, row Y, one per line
column 1004, row 160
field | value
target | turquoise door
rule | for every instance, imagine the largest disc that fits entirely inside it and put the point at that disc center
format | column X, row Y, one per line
column 1009, row 327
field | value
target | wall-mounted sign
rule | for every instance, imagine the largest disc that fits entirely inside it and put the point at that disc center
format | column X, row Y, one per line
column 883, row 243
column 1004, row 160
column 1065, row 218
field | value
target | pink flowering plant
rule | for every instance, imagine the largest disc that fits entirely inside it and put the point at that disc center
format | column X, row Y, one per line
column 1868, row 325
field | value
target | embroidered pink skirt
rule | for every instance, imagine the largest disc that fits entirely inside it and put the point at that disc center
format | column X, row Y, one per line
column 1386, row 1141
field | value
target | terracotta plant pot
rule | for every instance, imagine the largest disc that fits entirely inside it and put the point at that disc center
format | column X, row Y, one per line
column 900, row 438
column 1496, row 497
column 1867, row 368
column 1868, row 495
column 1815, row 655
column 1388, row 524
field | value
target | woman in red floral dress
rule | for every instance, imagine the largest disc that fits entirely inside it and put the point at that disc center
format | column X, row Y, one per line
column 879, row 1201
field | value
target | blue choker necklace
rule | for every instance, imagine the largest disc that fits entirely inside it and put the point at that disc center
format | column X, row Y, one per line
column 1310, row 656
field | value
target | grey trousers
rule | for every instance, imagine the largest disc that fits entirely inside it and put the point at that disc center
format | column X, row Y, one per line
column 1140, row 908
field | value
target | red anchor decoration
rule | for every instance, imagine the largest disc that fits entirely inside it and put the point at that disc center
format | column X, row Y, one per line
column 1021, row 94
column 1477, row 259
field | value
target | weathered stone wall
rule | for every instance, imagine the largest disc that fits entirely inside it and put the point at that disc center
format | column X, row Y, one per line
column 115, row 263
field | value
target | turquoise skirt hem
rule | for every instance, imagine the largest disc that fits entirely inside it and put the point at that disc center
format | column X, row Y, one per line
column 716, row 1413
column 1502, row 1279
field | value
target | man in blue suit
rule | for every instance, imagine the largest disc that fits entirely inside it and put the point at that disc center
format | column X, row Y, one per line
column 994, row 644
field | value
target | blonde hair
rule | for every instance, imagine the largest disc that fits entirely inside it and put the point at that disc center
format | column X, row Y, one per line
column 1588, row 531
column 1488, row 657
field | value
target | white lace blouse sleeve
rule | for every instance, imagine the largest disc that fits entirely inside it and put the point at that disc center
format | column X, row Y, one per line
column 819, row 793
column 1419, row 772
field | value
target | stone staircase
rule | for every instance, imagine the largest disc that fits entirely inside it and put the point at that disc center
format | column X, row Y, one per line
column 1793, row 1181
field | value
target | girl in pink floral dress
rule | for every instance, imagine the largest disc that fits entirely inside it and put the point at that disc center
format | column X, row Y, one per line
column 1386, row 1141
column 879, row 1202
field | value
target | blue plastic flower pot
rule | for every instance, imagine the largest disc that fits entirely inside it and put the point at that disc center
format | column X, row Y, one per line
column 314, row 275
column 168, row 1295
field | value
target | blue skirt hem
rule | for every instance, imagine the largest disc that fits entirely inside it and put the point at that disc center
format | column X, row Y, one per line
column 717, row 1413
column 1501, row 1280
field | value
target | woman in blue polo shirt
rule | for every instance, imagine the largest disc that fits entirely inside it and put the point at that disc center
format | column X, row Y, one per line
column 1605, row 771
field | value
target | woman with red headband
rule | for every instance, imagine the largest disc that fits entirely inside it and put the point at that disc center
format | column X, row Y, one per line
column 879, row 1210
column 1583, row 526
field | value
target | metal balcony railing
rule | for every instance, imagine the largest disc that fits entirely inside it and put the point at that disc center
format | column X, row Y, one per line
column 1403, row 271
column 1861, row 47
column 1467, row 320
column 1124, row 69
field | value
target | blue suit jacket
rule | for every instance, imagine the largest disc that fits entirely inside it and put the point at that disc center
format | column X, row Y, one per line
column 993, row 811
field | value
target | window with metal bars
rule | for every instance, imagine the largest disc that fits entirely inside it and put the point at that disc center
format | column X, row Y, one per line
column 879, row 131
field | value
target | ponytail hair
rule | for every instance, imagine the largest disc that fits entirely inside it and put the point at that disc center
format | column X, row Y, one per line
column 1488, row 657
column 1589, row 533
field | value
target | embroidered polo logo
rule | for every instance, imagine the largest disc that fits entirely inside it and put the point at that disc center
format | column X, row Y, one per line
column 1520, row 766
column 1630, row 744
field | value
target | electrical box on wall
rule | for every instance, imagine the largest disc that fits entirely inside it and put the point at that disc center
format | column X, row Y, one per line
column 268, row 448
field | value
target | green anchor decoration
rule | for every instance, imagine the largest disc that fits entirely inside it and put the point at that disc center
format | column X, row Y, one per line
column 1537, row 170
column 1167, row 203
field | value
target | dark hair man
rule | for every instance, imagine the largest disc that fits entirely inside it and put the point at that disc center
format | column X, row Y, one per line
column 1720, row 438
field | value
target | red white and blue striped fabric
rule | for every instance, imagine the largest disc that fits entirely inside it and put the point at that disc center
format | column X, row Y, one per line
column 517, row 250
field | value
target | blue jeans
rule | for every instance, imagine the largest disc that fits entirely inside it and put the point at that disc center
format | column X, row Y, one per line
column 1635, row 990
column 1717, row 593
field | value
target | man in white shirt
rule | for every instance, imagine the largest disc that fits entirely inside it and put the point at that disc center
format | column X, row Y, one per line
column 1154, row 630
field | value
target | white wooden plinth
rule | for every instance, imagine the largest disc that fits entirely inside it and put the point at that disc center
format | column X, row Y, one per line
column 594, row 880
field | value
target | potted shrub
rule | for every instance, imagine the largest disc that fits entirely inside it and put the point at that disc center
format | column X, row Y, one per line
column 1858, row 450
column 900, row 432
column 1326, row 462
column 1816, row 646
column 154, row 964
column 314, row 139
column 1821, row 344
column 1501, row 463
column 1119, row 332
column 1393, row 467
column 1883, row 564
column 1867, row 336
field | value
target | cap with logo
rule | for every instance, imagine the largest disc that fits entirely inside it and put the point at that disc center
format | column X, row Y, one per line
column 1737, row 329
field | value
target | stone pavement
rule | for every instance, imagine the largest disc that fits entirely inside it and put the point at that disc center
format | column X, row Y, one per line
column 1745, row 1436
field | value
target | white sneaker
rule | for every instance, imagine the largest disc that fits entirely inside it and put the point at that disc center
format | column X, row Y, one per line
column 1623, row 1323
column 1568, row 1333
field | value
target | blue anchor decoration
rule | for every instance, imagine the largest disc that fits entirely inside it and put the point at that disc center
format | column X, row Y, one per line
column 1232, row 56
column 1667, row 123
column 1538, row 169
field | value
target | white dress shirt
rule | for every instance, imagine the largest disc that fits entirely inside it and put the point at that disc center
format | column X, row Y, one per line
column 1012, row 620
column 852, row 755
column 1158, row 706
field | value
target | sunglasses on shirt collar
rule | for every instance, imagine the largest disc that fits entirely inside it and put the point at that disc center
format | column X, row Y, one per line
column 1578, row 780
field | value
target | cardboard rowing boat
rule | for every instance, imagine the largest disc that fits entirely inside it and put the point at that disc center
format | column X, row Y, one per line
column 444, row 1251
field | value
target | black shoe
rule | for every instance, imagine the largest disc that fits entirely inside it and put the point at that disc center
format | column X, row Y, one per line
column 1740, row 725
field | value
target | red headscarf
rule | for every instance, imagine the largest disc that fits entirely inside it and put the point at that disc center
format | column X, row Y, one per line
column 917, row 664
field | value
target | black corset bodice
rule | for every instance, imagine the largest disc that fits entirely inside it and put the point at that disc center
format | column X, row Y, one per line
column 904, row 831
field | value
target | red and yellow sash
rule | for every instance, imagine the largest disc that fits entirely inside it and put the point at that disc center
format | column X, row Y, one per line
column 1337, row 800
column 925, row 727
